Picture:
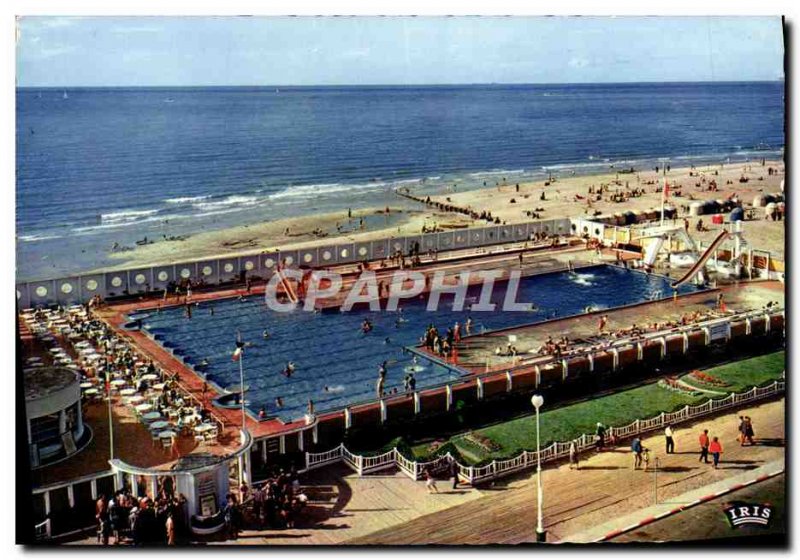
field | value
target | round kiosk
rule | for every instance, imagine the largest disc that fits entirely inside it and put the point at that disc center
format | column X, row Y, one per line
column 53, row 415
column 202, row 478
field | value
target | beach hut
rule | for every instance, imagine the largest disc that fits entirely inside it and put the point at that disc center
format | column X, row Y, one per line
column 652, row 214
column 630, row 217
column 641, row 216
column 737, row 214
column 696, row 208
column 670, row 212
column 619, row 218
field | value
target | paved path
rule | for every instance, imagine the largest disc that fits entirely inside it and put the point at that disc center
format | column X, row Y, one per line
column 390, row 508
column 605, row 489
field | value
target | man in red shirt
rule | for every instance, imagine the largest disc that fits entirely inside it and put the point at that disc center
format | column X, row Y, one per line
column 716, row 449
column 704, row 443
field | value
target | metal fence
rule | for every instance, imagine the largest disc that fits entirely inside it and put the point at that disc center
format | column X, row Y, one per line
column 80, row 288
column 528, row 459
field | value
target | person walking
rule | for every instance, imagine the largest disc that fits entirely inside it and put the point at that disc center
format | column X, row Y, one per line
column 454, row 472
column 170, row 526
column 600, row 436
column 748, row 433
column 704, row 443
column 740, row 437
column 430, row 483
column 715, row 448
column 573, row 455
column 636, row 449
column 669, row 439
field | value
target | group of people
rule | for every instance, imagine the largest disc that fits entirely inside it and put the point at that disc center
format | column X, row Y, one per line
column 140, row 520
column 442, row 345
column 274, row 503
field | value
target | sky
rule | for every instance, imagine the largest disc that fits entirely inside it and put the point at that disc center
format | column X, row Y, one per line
column 229, row 51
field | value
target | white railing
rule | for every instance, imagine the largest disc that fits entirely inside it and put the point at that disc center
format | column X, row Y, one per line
column 528, row 459
column 42, row 530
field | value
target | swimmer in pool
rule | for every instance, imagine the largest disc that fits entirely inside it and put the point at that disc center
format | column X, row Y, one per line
column 289, row 369
column 265, row 334
column 366, row 326
column 386, row 340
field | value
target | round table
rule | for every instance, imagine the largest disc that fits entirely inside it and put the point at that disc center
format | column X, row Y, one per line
column 87, row 385
column 129, row 392
column 92, row 391
column 167, row 434
column 159, row 425
column 143, row 408
column 159, row 386
column 150, row 377
column 151, row 416
column 135, row 399
column 202, row 428
column 119, row 382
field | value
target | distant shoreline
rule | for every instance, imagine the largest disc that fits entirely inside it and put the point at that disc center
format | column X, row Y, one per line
column 396, row 86
column 269, row 236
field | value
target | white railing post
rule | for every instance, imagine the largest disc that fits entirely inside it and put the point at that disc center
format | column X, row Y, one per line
column 685, row 342
column 538, row 375
column 590, row 357
column 509, row 382
column 348, row 419
column 639, row 351
column 615, row 360
column 416, row 403
column 564, row 370
column 449, row 394
column 479, row 384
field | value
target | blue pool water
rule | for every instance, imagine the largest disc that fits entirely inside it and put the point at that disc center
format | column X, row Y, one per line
column 330, row 350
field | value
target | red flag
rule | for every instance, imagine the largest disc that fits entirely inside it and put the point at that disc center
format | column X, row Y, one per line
column 666, row 189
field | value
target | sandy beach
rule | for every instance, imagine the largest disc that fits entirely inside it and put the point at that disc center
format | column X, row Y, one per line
column 566, row 196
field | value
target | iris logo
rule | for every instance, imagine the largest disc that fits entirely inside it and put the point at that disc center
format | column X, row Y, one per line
column 741, row 513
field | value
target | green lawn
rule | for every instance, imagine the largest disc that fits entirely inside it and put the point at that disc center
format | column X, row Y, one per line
column 568, row 422
column 745, row 374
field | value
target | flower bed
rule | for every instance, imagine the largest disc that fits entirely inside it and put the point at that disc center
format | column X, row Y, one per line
column 673, row 384
column 707, row 379
column 482, row 442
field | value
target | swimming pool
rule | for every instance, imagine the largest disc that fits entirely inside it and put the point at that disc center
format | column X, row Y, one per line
column 337, row 364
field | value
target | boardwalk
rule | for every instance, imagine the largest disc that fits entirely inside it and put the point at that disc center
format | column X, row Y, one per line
column 606, row 487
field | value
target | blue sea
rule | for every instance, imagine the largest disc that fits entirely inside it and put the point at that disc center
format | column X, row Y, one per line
column 97, row 166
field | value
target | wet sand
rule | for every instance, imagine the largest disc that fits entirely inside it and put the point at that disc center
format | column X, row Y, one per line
column 561, row 201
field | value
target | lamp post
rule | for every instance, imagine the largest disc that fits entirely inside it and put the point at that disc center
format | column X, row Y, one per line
column 541, row 536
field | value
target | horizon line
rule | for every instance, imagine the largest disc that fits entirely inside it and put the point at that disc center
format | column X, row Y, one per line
column 143, row 86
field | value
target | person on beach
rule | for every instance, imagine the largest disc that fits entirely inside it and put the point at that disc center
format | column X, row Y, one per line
column 715, row 448
column 669, row 439
column 704, row 444
column 468, row 326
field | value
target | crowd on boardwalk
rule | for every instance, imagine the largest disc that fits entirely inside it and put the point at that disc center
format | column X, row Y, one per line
column 139, row 520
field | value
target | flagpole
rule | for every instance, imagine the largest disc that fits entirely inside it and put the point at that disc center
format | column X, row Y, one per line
column 241, row 385
column 110, row 418
column 663, row 198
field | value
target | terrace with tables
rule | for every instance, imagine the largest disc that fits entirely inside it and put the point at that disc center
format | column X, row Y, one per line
column 155, row 420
